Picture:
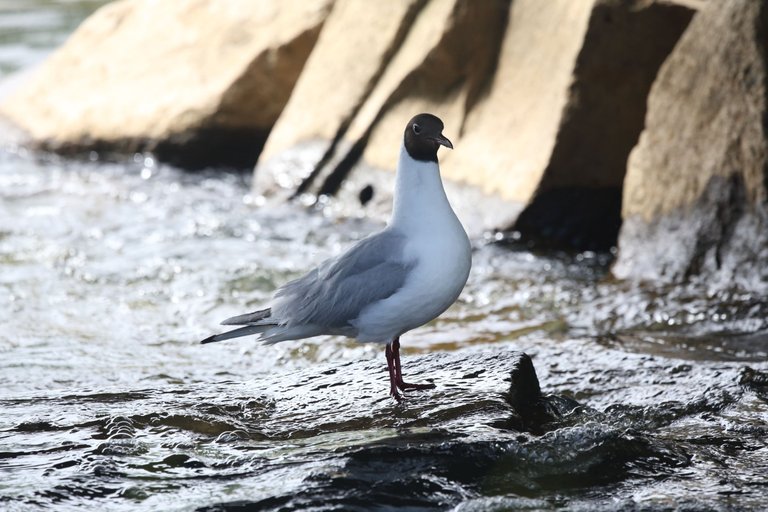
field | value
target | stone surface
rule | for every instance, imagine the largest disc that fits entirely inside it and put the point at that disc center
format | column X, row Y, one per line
column 352, row 51
column 442, row 67
column 695, row 192
column 550, row 97
column 510, row 134
column 207, row 75
column 577, row 203
column 531, row 64
column 438, row 64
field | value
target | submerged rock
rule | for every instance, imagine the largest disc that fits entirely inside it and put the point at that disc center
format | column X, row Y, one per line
column 650, row 433
column 566, row 103
column 199, row 83
column 697, row 182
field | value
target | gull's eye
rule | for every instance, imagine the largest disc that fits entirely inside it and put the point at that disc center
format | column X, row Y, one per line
column 416, row 129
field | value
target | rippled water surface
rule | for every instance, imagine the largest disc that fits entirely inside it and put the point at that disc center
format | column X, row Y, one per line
column 110, row 273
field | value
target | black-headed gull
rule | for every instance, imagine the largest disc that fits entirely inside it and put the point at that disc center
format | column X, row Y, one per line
column 388, row 283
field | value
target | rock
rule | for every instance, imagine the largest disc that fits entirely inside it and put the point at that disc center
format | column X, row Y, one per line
column 510, row 133
column 353, row 50
column 202, row 81
column 499, row 386
column 441, row 67
column 561, row 113
column 551, row 98
column 524, row 389
column 695, row 191
column 428, row 56
column 469, row 384
column 323, row 436
column 577, row 202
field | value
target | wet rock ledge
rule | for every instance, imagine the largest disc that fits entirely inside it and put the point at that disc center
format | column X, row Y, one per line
column 646, row 433
column 488, row 429
column 198, row 83
column 497, row 388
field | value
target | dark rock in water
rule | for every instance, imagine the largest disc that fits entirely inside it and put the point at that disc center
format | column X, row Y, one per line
column 486, row 428
column 531, row 411
column 524, row 391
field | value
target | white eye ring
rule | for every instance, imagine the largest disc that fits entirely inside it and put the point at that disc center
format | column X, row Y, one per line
column 416, row 129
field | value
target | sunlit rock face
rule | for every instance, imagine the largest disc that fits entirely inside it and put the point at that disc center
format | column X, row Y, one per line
column 577, row 199
column 200, row 82
column 535, row 96
column 351, row 53
column 695, row 193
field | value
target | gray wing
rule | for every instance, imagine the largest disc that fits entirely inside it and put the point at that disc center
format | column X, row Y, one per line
column 338, row 290
column 261, row 316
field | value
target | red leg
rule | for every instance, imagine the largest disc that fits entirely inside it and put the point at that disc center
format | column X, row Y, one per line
column 399, row 372
column 392, row 372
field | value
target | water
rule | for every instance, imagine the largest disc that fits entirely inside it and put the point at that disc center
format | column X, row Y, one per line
column 111, row 273
column 30, row 29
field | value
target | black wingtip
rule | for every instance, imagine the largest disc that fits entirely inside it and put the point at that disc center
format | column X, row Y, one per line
column 209, row 339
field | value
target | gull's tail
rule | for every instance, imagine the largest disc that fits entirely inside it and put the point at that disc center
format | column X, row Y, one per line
column 256, row 322
column 272, row 331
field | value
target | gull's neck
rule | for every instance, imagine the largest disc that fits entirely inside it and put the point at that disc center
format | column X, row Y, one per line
column 420, row 201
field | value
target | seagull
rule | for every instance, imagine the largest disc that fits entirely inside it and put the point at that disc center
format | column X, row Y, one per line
column 388, row 283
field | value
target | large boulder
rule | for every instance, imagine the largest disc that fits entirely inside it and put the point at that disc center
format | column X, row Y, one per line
column 431, row 48
column 696, row 186
column 536, row 97
column 204, row 80
column 558, row 117
column 442, row 66
column 353, row 50
column 510, row 134
column 577, row 202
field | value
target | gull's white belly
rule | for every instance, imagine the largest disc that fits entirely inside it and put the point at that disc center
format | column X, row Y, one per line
column 435, row 282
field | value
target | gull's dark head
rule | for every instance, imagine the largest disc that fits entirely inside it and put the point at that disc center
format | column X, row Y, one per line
column 423, row 135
